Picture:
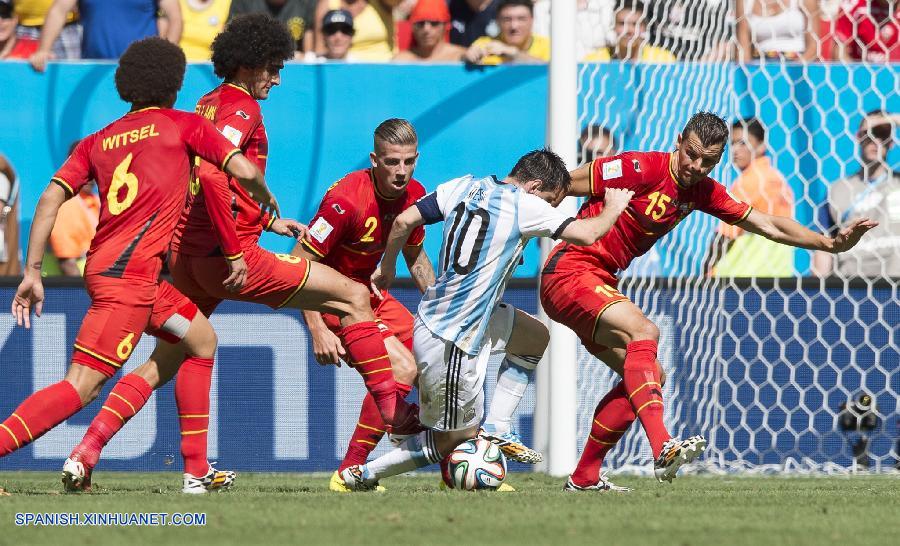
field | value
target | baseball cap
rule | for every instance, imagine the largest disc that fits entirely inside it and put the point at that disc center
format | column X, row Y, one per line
column 6, row 9
column 430, row 10
column 338, row 17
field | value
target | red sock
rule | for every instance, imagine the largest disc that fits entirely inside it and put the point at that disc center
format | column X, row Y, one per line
column 612, row 418
column 369, row 430
column 641, row 379
column 39, row 413
column 126, row 399
column 192, row 398
column 367, row 354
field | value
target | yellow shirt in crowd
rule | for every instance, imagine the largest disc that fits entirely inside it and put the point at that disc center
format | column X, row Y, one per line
column 373, row 38
column 201, row 25
column 538, row 48
column 31, row 13
column 649, row 54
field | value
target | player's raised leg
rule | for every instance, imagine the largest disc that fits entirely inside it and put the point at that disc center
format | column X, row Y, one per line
column 328, row 291
column 625, row 325
column 526, row 346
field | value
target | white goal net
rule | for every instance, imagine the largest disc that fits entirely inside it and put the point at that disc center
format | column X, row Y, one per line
column 799, row 373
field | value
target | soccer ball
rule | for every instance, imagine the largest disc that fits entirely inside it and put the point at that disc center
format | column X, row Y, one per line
column 475, row 464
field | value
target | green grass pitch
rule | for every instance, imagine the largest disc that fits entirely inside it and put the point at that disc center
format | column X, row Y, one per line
column 299, row 509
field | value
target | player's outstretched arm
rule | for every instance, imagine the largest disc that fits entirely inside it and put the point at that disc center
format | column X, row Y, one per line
column 30, row 294
column 252, row 179
column 404, row 224
column 587, row 231
column 420, row 267
column 787, row 231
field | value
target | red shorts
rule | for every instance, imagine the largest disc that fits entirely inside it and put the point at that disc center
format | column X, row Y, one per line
column 393, row 318
column 121, row 310
column 272, row 279
column 577, row 299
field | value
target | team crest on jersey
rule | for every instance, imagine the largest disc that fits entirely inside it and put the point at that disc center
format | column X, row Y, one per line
column 612, row 170
column 243, row 115
column 337, row 208
column 233, row 135
column 636, row 165
column 320, row 230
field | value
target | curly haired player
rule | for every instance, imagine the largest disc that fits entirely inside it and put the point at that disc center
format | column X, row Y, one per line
column 142, row 165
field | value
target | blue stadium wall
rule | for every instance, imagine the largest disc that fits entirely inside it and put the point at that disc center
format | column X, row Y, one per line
column 321, row 119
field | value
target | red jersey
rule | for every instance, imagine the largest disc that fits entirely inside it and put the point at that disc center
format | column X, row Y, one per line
column 221, row 217
column 660, row 202
column 142, row 165
column 350, row 230
column 869, row 30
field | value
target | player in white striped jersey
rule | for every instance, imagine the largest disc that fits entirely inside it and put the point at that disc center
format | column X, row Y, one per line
column 461, row 321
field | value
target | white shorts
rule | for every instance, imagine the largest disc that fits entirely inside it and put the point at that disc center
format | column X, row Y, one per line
column 451, row 382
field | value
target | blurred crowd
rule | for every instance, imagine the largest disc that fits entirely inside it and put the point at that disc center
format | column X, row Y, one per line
column 474, row 31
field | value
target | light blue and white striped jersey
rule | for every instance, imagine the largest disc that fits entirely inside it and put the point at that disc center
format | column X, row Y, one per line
column 486, row 226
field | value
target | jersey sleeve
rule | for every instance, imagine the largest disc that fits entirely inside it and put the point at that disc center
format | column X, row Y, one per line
column 620, row 171
column 537, row 218
column 331, row 224
column 214, row 184
column 714, row 199
column 76, row 171
column 238, row 122
column 204, row 140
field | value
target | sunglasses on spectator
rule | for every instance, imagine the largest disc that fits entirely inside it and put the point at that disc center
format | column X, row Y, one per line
column 334, row 29
column 882, row 132
column 421, row 24
column 6, row 11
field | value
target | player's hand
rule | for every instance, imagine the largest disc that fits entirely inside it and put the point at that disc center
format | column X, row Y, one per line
column 850, row 235
column 39, row 59
column 328, row 348
column 29, row 295
column 382, row 279
column 237, row 275
column 266, row 198
column 616, row 199
column 289, row 228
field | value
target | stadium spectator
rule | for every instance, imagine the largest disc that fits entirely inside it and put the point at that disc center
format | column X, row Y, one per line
column 373, row 22
column 867, row 30
column 694, row 30
column 630, row 43
column 10, row 46
column 9, row 220
column 872, row 192
column 786, row 29
column 337, row 30
column 76, row 224
column 593, row 23
column 31, row 14
column 109, row 27
column 429, row 19
column 516, row 42
column 472, row 19
column 735, row 252
column 596, row 141
column 298, row 15
column 203, row 19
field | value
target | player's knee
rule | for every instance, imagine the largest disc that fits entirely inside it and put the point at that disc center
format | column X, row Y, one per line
column 645, row 330
column 201, row 340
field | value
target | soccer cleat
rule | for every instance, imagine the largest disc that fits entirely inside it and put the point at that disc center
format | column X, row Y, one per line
column 356, row 478
column 603, row 484
column 512, row 446
column 76, row 474
column 676, row 453
column 337, row 485
column 214, row 481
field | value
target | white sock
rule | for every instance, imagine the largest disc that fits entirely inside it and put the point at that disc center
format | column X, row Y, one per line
column 512, row 380
column 415, row 452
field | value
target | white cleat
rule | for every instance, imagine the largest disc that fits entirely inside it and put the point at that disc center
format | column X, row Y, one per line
column 214, row 481
column 602, row 485
column 676, row 453
column 356, row 478
column 76, row 475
